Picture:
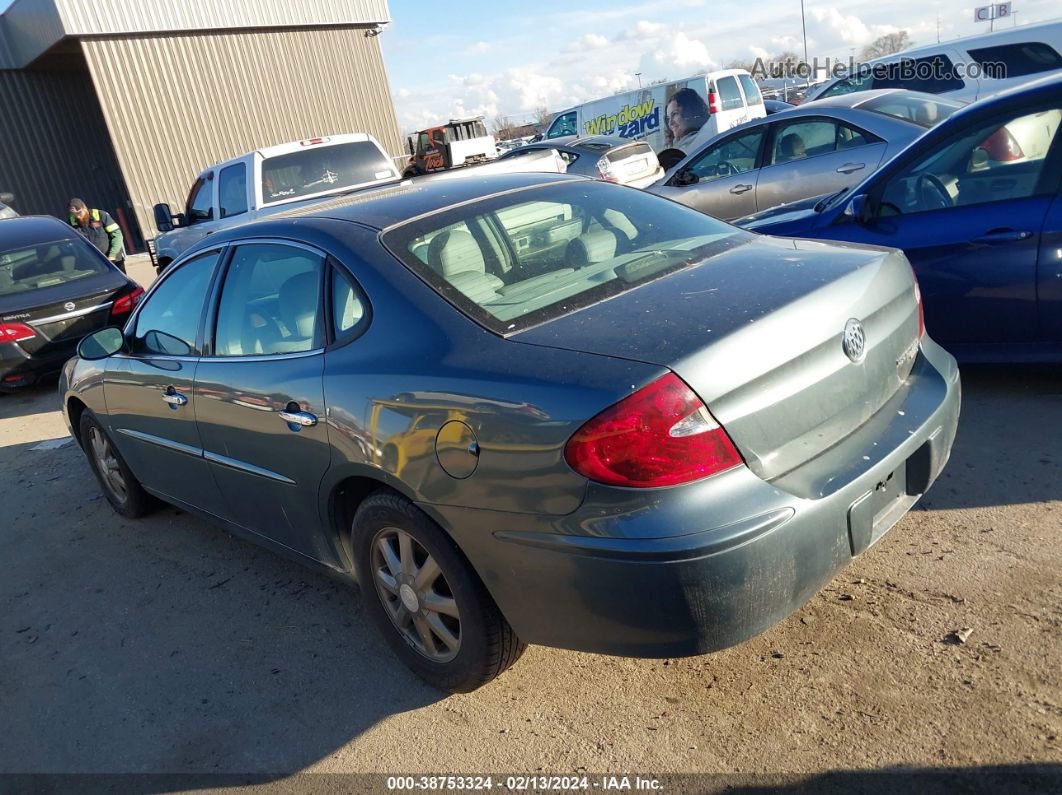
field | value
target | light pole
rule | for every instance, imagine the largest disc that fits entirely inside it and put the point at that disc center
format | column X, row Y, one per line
column 804, row 30
column 639, row 76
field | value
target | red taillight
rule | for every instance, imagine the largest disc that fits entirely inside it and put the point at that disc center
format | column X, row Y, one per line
column 125, row 304
column 1002, row 147
column 713, row 102
column 16, row 332
column 661, row 435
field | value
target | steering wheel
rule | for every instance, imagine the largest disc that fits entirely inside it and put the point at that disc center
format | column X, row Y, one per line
column 932, row 193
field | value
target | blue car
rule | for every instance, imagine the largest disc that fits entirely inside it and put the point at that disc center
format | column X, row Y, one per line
column 975, row 205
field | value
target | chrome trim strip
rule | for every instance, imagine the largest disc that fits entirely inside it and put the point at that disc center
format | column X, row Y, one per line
column 158, row 441
column 242, row 466
column 261, row 357
column 68, row 315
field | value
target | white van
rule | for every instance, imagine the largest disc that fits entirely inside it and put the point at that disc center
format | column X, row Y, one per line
column 679, row 115
column 965, row 69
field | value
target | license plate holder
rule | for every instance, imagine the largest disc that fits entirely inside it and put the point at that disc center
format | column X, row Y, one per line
column 874, row 513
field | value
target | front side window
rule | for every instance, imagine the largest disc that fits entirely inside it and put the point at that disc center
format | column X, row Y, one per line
column 564, row 246
column 232, row 190
column 563, row 125
column 270, row 302
column 999, row 161
column 801, row 139
column 168, row 322
column 729, row 95
column 849, row 85
column 323, row 169
column 47, row 265
column 752, row 91
column 733, row 156
column 201, row 202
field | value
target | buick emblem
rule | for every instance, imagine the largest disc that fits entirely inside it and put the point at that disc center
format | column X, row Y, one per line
column 69, row 306
column 854, row 340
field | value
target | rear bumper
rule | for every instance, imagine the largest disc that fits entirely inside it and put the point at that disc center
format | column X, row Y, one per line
column 702, row 567
column 20, row 369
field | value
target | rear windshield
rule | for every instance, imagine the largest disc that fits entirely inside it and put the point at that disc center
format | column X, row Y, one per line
column 46, row 265
column 525, row 257
column 323, row 169
column 924, row 111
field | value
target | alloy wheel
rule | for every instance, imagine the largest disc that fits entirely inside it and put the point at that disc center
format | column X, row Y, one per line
column 414, row 591
column 107, row 464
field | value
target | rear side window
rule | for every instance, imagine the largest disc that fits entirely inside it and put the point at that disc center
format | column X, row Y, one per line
column 347, row 306
column 729, row 95
column 168, row 323
column 270, row 303
column 1015, row 60
column 232, row 190
column 752, row 91
column 933, row 74
column 800, row 139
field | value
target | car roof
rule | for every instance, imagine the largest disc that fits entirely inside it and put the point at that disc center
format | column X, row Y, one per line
column 30, row 230
column 856, row 98
column 387, row 206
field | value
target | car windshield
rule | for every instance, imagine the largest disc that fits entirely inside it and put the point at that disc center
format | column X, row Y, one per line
column 528, row 256
column 923, row 111
column 323, row 169
column 46, row 265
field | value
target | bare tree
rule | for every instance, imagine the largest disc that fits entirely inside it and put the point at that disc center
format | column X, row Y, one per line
column 887, row 45
column 741, row 63
column 503, row 127
column 542, row 116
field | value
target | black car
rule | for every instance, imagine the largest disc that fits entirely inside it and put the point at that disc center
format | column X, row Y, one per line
column 55, row 288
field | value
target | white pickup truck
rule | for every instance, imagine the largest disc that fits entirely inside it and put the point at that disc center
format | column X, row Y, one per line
column 277, row 178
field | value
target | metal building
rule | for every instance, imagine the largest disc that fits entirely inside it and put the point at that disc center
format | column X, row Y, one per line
column 124, row 102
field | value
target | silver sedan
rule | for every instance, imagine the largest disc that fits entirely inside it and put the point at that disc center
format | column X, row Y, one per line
column 808, row 151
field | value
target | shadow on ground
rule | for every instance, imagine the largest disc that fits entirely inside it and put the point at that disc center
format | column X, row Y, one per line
column 166, row 645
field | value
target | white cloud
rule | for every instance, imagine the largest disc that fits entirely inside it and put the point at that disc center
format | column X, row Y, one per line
column 676, row 57
column 479, row 48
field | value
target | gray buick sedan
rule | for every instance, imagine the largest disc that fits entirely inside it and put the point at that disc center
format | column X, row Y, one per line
column 528, row 409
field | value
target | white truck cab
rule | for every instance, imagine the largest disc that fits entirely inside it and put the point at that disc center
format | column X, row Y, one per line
column 268, row 180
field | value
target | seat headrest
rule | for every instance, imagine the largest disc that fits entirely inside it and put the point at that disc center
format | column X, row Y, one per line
column 591, row 247
column 298, row 303
column 455, row 252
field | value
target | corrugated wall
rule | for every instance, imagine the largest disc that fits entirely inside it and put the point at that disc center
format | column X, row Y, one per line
column 54, row 143
column 177, row 104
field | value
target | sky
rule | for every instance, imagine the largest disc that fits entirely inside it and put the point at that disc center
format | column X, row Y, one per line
column 471, row 58
column 509, row 57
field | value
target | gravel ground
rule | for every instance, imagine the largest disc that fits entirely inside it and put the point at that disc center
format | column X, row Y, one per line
column 166, row 645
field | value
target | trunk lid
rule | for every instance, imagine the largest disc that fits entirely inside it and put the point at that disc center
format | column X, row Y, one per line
column 633, row 162
column 757, row 332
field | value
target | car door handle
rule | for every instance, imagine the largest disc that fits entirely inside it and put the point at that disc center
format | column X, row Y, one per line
column 995, row 236
column 740, row 188
column 302, row 418
column 849, row 168
column 174, row 398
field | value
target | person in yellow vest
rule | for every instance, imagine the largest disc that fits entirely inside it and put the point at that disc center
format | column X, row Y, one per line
column 101, row 230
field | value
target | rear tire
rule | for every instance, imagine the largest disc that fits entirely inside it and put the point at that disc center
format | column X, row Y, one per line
column 121, row 488
column 426, row 599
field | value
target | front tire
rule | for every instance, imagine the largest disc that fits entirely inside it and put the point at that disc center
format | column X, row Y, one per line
column 121, row 488
column 427, row 600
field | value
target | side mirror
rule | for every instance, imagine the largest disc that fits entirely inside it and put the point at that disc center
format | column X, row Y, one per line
column 7, row 198
column 105, row 342
column 686, row 177
column 164, row 218
column 858, row 209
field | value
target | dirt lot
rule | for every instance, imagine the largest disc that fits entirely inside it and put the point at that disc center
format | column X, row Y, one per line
column 165, row 645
